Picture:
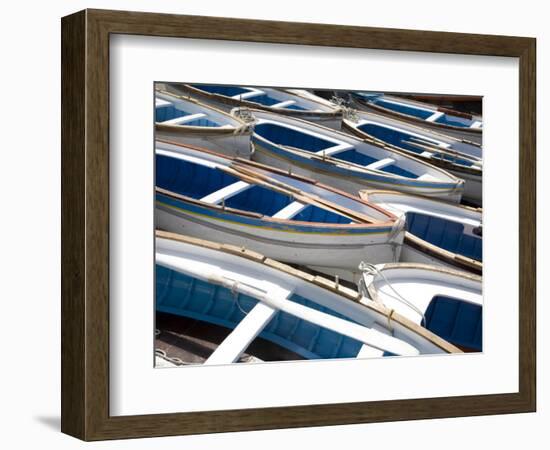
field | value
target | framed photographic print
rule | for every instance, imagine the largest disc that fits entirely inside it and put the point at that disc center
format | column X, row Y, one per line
column 271, row 224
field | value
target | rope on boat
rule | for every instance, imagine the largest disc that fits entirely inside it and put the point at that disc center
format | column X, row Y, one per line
column 235, row 292
column 347, row 111
column 371, row 269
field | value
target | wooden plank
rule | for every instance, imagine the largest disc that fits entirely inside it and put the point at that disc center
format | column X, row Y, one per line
column 225, row 193
column 380, row 164
column 73, row 227
column 289, row 211
column 242, row 251
column 183, row 119
column 244, row 333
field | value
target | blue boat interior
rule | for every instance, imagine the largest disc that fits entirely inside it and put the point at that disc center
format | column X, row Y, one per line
column 403, row 109
column 456, row 321
column 295, row 107
column 260, row 98
column 411, row 110
column 183, row 295
column 368, row 95
column 169, row 112
column 401, row 139
column 267, row 202
column 444, row 233
column 202, row 122
column 197, row 181
column 260, row 200
column 454, row 121
column 282, row 135
column 189, row 179
column 356, row 157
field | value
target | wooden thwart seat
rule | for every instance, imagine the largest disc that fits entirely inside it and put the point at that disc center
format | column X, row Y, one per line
column 224, row 193
column 381, row 164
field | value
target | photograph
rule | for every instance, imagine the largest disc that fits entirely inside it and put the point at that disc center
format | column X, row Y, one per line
column 294, row 223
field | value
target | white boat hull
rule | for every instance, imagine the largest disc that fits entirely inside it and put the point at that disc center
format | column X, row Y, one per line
column 331, row 251
column 473, row 187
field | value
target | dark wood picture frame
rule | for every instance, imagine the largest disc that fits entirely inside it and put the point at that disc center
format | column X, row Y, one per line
column 85, row 224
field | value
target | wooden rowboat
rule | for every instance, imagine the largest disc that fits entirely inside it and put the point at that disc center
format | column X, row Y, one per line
column 191, row 122
column 343, row 161
column 447, row 302
column 290, row 102
column 438, row 233
column 460, row 158
column 281, row 215
column 453, row 123
column 256, row 296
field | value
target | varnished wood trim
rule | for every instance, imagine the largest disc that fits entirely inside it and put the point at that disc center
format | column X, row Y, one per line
column 73, row 269
column 527, row 225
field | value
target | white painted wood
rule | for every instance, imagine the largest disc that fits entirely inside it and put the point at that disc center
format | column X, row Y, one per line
column 284, row 104
column 289, row 211
column 161, row 102
column 435, row 116
column 427, row 177
column 380, row 164
column 186, row 157
column 367, row 351
column 252, row 93
column 184, row 119
column 334, row 150
column 402, row 103
column 244, row 333
column 225, row 193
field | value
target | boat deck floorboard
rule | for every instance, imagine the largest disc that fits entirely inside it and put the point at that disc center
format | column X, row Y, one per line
column 193, row 341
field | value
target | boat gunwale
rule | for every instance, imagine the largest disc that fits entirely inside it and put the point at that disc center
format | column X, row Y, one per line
column 451, row 258
column 364, row 194
column 194, row 129
column 318, row 281
column 336, row 112
column 373, row 291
